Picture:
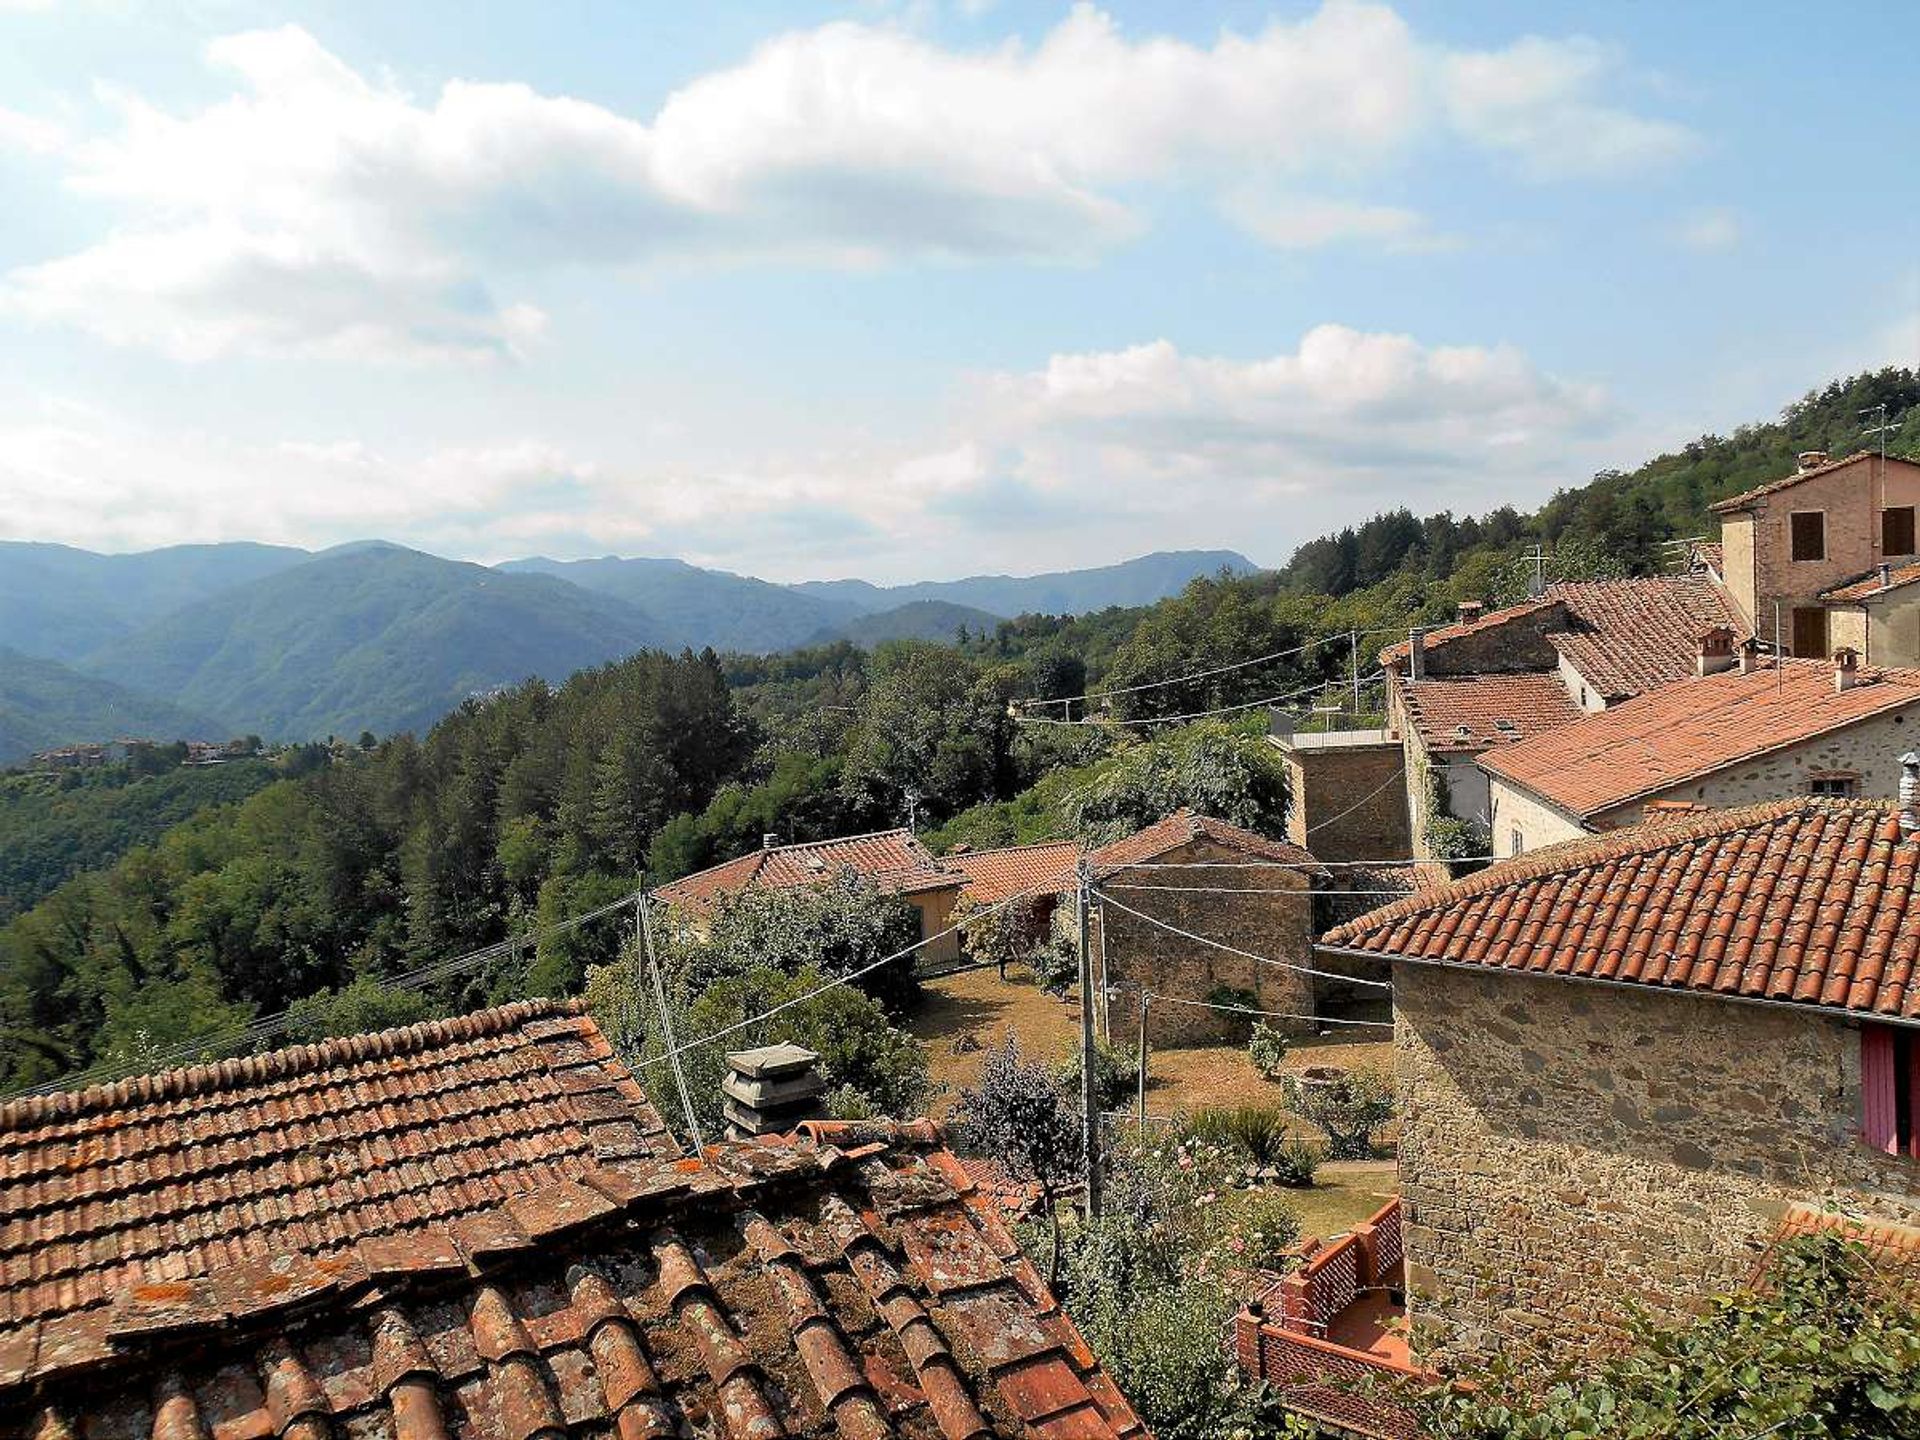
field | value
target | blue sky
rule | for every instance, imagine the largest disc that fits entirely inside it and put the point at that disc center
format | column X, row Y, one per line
column 916, row 290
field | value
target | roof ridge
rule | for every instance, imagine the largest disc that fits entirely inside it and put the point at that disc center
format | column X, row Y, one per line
column 1569, row 855
column 1768, row 487
column 209, row 1076
column 1003, row 849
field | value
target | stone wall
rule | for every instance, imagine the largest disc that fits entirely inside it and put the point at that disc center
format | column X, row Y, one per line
column 1568, row 1150
column 1521, row 821
column 1348, row 801
column 1517, row 644
column 1851, row 499
column 1139, row 953
column 1871, row 750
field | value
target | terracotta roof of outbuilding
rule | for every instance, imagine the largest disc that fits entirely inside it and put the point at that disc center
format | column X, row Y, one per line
column 891, row 859
column 853, row 1285
column 1471, row 712
column 1804, row 901
column 1870, row 584
column 1681, row 732
column 221, row 1168
column 1746, row 498
column 1183, row 827
column 993, row 875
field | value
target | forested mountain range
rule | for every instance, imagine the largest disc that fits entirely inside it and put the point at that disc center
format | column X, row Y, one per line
column 542, row 802
column 295, row 646
column 44, row 703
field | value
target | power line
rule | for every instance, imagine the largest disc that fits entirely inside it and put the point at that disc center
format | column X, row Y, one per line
column 1283, row 864
column 1235, row 950
column 833, row 984
column 1192, row 714
column 1160, row 999
column 1209, row 674
column 1253, row 890
column 267, row 1026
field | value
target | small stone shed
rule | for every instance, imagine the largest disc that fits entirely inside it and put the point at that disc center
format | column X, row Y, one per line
column 1224, row 884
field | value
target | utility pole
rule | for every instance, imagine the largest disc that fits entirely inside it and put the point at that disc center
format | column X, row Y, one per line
column 1089, row 1101
column 1353, row 649
column 1145, row 996
column 666, row 1026
column 913, row 812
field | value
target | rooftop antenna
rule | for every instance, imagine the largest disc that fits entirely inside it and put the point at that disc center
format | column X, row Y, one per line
column 913, row 812
column 1538, row 555
column 1880, row 429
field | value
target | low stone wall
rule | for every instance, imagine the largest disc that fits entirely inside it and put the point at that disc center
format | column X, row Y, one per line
column 1569, row 1151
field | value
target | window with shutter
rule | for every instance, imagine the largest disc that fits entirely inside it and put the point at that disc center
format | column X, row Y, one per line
column 1896, row 530
column 1809, row 534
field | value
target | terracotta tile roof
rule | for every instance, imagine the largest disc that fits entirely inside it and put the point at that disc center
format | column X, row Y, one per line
column 1358, row 889
column 1397, row 654
column 993, row 875
column 1885, row 1239
column 891, row 859
column 1471, row 712
column 181, row 1177
column 856, row 1287
column 1745, row 499
column 1632, row 636
column 1182, row 828
column 1624, row 636
column 1708, row 554
column 1870, row 584
column 1684, row 731
column 1803, row 901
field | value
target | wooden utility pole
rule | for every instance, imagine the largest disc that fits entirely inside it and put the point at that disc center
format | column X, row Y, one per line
column 1089, row 1091
column 1145, row 996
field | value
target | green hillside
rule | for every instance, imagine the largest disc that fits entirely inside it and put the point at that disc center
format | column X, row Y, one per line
column 44, row 703
column 53, row 826
column 59, row 602
column 703, row 607
column 372, row 638
column 937, row 620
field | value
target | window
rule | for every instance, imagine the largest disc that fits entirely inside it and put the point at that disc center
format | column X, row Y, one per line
column 1809, row 529
column 1896, row 530
column 1516, row 842
column 1889, row 1080
column 1841, row 786
column 1810, row 632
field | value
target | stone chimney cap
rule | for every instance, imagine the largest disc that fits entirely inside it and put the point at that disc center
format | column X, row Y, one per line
column 771, row 1062
column 1811, row 459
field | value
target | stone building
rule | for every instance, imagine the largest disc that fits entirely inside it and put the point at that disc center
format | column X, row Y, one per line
column 1795, row 541
column 893, row 861
column 1225, row 885
column 1497, row 678
column 1758, row 730
column 1626, row 1062
column 1345, row 799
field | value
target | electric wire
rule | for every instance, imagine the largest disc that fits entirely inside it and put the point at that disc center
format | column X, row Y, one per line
column 1348, row 635
column 1156, row 998
column 1235, row 950
column 1194, row 714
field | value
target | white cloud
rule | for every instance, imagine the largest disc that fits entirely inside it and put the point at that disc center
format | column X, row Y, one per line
column 1081, row 455
column 1293, row 222
column 318, row 210
column 1708, row 232
column 28, row 134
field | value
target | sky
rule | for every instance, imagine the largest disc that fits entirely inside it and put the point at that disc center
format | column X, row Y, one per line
column 917, row 290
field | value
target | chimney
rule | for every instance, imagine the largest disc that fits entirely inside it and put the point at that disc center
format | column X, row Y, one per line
column 1909, row 794
column 769, row 841
column 770, row 1090
column 1886, row 575
column 1846, row 669
column 1715, row 651
column 1470, row 610
column 1811, row 460
column 1747, row 655
column 1417, row 654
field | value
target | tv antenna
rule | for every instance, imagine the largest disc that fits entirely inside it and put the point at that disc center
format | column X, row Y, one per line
column 1880, row 429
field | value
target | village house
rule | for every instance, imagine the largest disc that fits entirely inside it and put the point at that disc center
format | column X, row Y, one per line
column 1747, row 729
column 1627, row 1063
column 1806, row 551
column 478, row 1229
column 893, row 861
column 1494, row 679
column 1219, row 882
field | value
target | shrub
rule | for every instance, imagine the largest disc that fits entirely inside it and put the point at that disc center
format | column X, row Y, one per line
column 1267, row 1049
column 1056, row 966
column 1349, row 1105
column 1266, row 1229
column 1257, row 1132
column 1297, row 1162
column 1116, row 1074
